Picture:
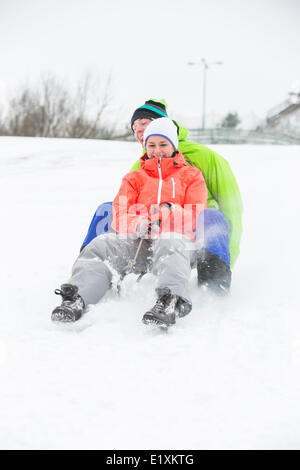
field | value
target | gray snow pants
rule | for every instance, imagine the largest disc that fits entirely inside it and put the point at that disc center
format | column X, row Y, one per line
column 171, row 255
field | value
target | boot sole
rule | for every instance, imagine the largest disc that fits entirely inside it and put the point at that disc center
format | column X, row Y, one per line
column 155, row 321
column 62, row 317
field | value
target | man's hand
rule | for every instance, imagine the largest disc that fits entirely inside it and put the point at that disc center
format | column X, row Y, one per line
column 160, row 214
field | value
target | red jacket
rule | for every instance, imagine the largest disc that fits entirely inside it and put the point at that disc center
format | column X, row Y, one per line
column 160, row 180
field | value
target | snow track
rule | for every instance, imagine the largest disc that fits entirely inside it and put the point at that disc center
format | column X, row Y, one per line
column 226, row 376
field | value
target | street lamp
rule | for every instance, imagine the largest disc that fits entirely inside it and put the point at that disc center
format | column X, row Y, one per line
column 205, row 65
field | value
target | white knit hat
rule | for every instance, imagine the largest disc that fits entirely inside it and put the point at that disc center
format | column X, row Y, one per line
column 163, row 127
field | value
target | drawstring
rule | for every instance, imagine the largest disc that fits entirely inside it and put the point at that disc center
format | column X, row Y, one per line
column 159, row 306
column 67, row 295
column 130, row 266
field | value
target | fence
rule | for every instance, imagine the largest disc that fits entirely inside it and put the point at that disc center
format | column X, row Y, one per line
column 239, row 136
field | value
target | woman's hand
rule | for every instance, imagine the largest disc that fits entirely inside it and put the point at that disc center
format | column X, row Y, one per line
column 148, row 229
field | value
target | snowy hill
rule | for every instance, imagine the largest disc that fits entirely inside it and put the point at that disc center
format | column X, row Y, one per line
column 225, row 377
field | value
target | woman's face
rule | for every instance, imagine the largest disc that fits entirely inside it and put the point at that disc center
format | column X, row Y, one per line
column 157, row 146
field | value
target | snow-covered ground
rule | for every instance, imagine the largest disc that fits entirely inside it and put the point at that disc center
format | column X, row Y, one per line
column 225, row 377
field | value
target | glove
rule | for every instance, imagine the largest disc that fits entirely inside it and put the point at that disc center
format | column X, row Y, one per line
column 148, row 229
column 165, row 210
column 166, row 205
column 160, row 214
column 158, row 211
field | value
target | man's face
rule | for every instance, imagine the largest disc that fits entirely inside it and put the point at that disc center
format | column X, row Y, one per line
column 139, row 127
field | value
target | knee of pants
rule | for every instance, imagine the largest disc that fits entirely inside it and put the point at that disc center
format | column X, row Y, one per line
column 104, row 214
column 98, row 248
column 170, row 242
column 212, row 233
column 179, row 249
column 101, row 223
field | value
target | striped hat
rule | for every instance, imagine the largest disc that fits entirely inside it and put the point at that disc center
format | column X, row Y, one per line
column 152, row 109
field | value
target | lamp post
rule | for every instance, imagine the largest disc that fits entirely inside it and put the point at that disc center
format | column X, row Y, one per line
column 205, row 65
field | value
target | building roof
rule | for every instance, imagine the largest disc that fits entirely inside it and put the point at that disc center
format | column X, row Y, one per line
column 285, row 107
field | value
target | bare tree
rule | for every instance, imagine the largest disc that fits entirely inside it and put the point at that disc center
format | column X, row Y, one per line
column 89, row 108
column 3, row 130
column 56, row 108
column 50, row 109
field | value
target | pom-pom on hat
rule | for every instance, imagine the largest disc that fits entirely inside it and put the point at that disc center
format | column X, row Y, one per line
column 163, row 127
column 152, row 109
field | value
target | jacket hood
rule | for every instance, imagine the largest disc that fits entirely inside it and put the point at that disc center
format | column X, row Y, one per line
column 182, row 132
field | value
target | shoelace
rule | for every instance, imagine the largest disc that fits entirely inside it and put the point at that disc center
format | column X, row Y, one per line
column 64, row 295
column 160, row 305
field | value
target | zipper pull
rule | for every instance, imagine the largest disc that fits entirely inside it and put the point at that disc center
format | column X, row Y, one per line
column 173, row 183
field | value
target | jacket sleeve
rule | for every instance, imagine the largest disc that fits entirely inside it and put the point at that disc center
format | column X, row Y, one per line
column 195, row 202
column 127, row 214
column 196, row 192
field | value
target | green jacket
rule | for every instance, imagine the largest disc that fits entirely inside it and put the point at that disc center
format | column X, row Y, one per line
column 223, row 191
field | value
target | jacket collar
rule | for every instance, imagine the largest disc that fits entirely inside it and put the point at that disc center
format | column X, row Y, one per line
column 167, row 165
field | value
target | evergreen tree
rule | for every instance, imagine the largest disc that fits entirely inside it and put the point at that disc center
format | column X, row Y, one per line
column 231, row 120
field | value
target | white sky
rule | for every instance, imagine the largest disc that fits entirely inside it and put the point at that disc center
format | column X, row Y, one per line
column 147, row 44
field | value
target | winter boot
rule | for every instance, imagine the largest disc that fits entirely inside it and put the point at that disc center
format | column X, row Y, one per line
column 213, row 273
column 182, row 307
column 163, row 312
column 72, row 305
